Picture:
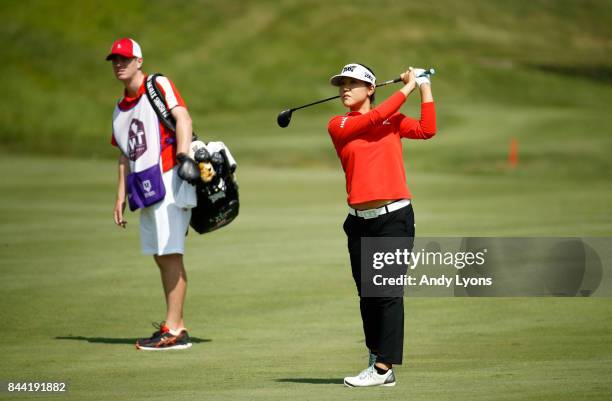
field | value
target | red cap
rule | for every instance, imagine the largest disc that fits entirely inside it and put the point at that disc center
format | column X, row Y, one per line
column 125, row 47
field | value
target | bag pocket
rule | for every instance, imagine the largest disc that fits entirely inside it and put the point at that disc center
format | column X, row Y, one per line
column 145, row 188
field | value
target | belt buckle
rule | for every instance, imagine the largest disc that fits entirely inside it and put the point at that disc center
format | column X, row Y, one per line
column 369, row 214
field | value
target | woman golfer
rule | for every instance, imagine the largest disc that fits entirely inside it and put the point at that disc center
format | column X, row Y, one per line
column 368, row 142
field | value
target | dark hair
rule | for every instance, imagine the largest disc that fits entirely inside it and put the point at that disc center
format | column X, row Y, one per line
column 372, row 98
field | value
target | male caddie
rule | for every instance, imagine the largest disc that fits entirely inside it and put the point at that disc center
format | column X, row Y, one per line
column 153, row 165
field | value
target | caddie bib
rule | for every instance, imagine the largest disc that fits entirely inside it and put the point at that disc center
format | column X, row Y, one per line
column 136, row 132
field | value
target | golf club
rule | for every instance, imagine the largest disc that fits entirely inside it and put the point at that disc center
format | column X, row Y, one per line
column 284, row 117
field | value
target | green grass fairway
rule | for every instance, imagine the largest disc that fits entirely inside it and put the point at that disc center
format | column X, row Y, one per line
column 271, row 300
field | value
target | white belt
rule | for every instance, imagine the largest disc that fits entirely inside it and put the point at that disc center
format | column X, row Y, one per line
column 374, row 213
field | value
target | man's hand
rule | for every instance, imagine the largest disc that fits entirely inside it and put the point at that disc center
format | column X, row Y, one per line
column 118, row 213
column 188, row 169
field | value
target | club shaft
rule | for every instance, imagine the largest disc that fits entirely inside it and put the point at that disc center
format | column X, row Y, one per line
column 391, row 81
column 284, row 117
column 317, row 102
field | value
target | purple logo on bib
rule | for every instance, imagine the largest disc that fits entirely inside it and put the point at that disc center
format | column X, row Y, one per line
column 137, row 142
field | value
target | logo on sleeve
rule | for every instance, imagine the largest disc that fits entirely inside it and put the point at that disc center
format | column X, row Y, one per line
column 343, row 122
column 137, row 142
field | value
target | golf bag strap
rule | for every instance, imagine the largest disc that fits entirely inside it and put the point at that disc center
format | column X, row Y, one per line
column 156, row 99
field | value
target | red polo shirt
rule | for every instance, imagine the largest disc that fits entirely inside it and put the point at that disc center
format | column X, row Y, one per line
column 370, row 149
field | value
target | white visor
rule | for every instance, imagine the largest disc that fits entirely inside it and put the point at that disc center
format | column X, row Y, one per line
column 356, row 71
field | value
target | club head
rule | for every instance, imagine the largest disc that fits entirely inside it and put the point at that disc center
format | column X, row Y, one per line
column 284, row 117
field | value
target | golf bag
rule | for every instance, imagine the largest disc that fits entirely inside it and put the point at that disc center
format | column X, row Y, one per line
column 218, row 202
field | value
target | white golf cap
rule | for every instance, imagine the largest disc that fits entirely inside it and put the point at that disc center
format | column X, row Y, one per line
column 354, row 70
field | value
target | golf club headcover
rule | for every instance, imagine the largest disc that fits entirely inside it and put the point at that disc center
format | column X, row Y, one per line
column 202, row 157
column 188, row 169
column 420, row 80
column 207, row 172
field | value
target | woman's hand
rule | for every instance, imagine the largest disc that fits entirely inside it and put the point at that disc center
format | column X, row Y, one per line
column 409, row 80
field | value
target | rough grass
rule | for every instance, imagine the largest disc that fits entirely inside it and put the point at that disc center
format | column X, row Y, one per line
column 249, row 60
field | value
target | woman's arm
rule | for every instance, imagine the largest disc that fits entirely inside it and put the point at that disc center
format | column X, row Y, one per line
column 343, row 128
column 424, row 128
column 426, row 95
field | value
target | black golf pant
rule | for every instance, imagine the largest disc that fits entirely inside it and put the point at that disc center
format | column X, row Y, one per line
column 383, row 318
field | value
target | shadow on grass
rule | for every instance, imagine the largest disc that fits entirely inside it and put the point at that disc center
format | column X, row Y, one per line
column 131, row 341
column 311, row 380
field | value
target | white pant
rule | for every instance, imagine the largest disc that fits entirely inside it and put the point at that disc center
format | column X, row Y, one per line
column 163, row 226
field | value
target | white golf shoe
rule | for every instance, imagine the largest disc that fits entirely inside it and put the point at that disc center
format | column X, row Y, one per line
column 370, row 378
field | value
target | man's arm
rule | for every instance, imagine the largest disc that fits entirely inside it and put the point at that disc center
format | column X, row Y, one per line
column 184, row 128
column 121, row 193
column 188, row 169
column 175, row 103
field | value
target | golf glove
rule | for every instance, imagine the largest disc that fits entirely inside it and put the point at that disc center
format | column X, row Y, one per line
column 188, row 169
column 420, row 80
